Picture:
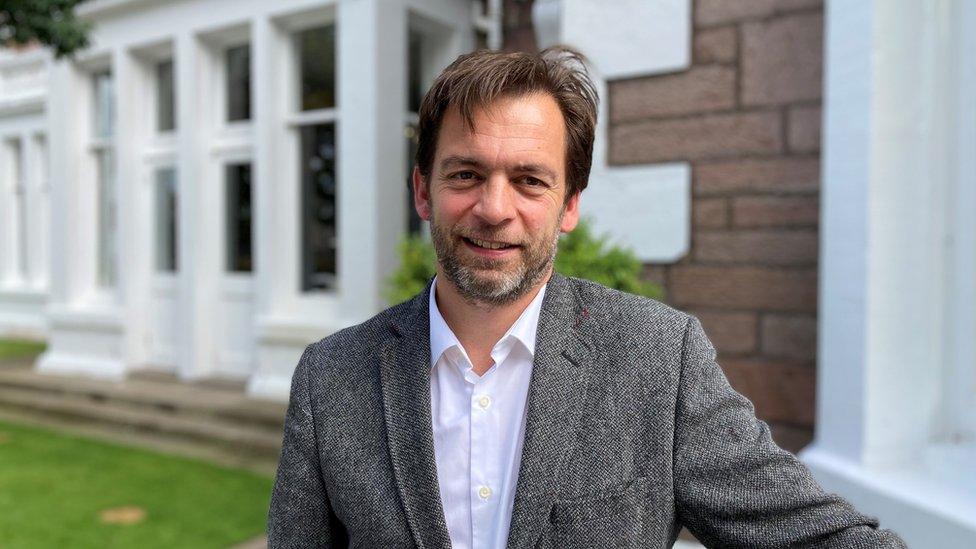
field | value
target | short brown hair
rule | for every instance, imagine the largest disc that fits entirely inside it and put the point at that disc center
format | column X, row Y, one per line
column 477, row 79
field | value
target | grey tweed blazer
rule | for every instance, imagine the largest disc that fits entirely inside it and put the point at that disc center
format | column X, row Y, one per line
column 632, row 431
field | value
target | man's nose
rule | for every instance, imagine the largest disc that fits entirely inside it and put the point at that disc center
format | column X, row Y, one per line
column 496, row 203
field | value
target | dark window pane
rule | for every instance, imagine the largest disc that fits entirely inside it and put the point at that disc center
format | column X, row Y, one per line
column 239, row 218
column 316, row 57
column 413, row 220
column 165, row 97
column 166, row 219
column 415, row 80
column 318, row 168
column 239, row 83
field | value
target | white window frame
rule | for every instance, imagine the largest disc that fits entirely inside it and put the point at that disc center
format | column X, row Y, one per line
column 295, row 120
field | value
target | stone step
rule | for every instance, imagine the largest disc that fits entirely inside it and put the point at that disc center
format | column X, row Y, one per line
column 257, row 443
column 201, row 402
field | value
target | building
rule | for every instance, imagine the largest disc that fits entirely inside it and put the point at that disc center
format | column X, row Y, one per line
column 220, row 195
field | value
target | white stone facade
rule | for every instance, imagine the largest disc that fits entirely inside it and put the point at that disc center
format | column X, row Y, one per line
column 141, row 146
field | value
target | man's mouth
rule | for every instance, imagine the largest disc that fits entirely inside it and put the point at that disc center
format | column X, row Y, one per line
column 488, row 244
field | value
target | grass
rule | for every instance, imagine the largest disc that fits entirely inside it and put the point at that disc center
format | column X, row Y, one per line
column 18, row 348
column 54, row 488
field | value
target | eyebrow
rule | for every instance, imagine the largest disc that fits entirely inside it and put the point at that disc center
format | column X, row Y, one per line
column 459, row 161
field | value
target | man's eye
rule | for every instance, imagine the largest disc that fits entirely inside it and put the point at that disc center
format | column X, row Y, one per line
column 465, row 175
column 533, row 182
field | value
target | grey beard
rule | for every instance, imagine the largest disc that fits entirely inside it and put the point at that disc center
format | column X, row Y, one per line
column 493, row 292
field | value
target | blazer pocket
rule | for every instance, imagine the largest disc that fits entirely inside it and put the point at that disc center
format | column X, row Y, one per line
column 612, row 520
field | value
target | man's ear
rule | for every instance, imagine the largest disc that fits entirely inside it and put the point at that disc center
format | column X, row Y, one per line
column 570, row 213
column 421, row 194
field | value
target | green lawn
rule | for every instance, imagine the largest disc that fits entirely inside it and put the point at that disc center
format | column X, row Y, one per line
column 17, row 348
column 54, row 488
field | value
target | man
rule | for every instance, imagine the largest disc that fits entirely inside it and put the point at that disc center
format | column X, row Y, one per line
column 509, row 406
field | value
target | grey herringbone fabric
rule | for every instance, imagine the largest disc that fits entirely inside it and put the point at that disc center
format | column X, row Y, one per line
column 632, row 431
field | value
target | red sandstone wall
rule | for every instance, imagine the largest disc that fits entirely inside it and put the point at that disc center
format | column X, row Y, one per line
column 746, row 115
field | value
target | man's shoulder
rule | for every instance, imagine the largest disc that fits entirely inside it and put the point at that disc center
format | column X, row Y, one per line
column 360, row 340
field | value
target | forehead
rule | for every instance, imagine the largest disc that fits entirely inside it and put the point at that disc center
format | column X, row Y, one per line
column 510, row 129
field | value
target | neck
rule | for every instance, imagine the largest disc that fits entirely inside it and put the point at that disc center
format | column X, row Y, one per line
column 479, row 326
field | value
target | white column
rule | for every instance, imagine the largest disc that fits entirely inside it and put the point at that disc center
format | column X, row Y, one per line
column 8, row 211
column 887, row 186
column 84, row 329
column 38, row 204
column 372, row 42
column 198, row 258
column 135, row 206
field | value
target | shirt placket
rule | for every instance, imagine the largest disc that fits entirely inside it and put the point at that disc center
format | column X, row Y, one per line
column 484, row 476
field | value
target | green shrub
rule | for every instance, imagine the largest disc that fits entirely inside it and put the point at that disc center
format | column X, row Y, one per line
column 581, row 254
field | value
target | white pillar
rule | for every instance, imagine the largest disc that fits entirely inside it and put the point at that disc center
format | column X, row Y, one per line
column 198, row 230
column 372, row 43
column 886, row 190
column 85, row 326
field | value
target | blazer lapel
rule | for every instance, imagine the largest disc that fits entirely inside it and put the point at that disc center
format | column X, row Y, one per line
column 560, row 374
column 405, row 372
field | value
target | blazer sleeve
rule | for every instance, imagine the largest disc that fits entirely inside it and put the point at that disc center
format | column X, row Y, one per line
column 734, row 487
column 300, row 514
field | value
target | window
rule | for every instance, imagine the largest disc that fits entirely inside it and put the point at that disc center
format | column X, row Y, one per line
column 165, row 97
column 316, row 54
column 415, row 91
column 238, row 67
column 166, row 220
column 239, row 218
column 319, row 199
column 102, row 149
column 315, row 62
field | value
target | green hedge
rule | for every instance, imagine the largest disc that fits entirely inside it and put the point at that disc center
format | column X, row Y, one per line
column 581, row 254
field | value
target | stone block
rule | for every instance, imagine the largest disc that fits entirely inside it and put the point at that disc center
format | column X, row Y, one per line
column 789, row 336
column 743, row 287
column 717, row 45
column 804, row 128
column 781, row 391
column 695, row 138
column 718, row 12
column 710, row 213
column 782, row 60
column 776, row 247
column 732, row 333
column 775, row 211
column 773, row 175
column 698, row 90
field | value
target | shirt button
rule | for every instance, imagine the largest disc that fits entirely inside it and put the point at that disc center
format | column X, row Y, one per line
column 484, row 402
column 484, row 492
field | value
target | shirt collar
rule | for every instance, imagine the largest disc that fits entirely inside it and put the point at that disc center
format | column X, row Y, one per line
column 523, row 330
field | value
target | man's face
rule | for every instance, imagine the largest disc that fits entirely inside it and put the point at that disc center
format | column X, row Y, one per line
column 496, row 197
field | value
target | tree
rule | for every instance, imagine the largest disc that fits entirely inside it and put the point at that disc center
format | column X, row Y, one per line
column 48, row 22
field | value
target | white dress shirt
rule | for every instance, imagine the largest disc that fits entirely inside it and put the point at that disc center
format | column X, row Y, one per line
column 479, row 424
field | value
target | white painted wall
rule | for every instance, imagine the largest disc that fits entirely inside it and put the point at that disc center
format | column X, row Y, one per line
column 897, row 170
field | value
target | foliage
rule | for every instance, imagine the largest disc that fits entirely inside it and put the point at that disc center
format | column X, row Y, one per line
column 56, row 486
column 581, row 254
column 50, row 22
column 18, row 348
column 417, row 266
